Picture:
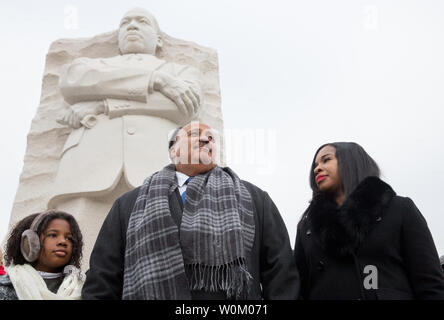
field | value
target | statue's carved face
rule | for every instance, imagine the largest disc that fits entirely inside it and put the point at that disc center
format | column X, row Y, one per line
column 138, row 33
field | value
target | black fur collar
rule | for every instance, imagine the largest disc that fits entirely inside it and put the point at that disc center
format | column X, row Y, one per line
column 342, row 229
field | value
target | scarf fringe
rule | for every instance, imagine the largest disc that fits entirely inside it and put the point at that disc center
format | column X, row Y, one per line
column 232, row 278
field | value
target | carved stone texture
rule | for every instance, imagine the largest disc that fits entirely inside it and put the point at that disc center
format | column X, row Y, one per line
column 47, row 139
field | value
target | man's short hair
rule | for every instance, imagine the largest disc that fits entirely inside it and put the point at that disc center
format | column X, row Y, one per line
column 172, row 139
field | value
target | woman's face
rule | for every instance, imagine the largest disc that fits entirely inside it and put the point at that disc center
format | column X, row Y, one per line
column 56, row 246
column 326, row 171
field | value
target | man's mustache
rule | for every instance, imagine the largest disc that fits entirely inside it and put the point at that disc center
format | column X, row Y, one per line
column 203, row 144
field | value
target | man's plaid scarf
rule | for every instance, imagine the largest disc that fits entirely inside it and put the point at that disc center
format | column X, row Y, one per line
column 208, row 252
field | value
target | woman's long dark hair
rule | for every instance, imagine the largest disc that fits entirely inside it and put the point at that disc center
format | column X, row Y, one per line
column 354, row 165
column 13, row 254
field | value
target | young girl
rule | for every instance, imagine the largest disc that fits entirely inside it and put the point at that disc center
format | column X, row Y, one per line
column 358, row 239
column 42, row 259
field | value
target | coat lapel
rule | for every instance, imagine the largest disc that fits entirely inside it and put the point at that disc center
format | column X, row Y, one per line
column 176, row 207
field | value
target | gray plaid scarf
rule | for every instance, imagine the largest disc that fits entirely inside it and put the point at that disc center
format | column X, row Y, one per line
column 210, row 250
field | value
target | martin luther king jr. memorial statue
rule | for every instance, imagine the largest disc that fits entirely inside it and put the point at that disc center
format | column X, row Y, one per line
column 108, row 105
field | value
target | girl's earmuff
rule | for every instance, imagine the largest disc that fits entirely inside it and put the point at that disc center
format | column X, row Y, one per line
column 30, row 241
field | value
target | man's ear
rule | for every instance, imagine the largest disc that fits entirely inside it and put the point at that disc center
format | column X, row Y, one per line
column 174, row 154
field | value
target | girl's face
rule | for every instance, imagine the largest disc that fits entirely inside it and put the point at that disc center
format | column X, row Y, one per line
column 56, row 246
column 326, row 171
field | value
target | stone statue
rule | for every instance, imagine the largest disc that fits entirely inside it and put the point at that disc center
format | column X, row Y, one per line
column 121, row 110
column 104, row 115
column 107, row 105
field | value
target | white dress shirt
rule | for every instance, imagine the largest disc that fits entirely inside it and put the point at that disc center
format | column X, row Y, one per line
column 181, row 178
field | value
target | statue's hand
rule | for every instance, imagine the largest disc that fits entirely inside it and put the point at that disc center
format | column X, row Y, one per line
column 182, row 93
column 77, row 112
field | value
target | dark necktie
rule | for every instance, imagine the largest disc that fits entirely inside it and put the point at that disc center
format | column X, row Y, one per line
column 183, row 193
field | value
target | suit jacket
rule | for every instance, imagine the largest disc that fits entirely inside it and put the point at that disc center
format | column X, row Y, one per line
column 132, row 136
column 271, row 263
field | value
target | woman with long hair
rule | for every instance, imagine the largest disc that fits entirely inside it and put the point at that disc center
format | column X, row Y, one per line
column 42, row 259
column 358, row 239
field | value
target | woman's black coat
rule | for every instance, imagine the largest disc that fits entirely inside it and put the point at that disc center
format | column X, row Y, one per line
column 375, row 246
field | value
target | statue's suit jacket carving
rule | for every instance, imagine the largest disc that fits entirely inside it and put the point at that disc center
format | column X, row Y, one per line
column 132, row 136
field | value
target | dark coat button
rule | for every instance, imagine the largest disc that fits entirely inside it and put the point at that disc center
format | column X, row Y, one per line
column 321, row 266
column 308, row 232
column 378, row 219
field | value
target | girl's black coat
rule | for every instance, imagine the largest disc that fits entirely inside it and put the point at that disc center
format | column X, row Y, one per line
column 375, row 246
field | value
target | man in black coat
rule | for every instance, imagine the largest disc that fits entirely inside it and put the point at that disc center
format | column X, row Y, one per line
column 221, row 237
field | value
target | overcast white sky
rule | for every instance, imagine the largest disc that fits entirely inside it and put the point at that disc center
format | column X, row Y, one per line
column 299, row 73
